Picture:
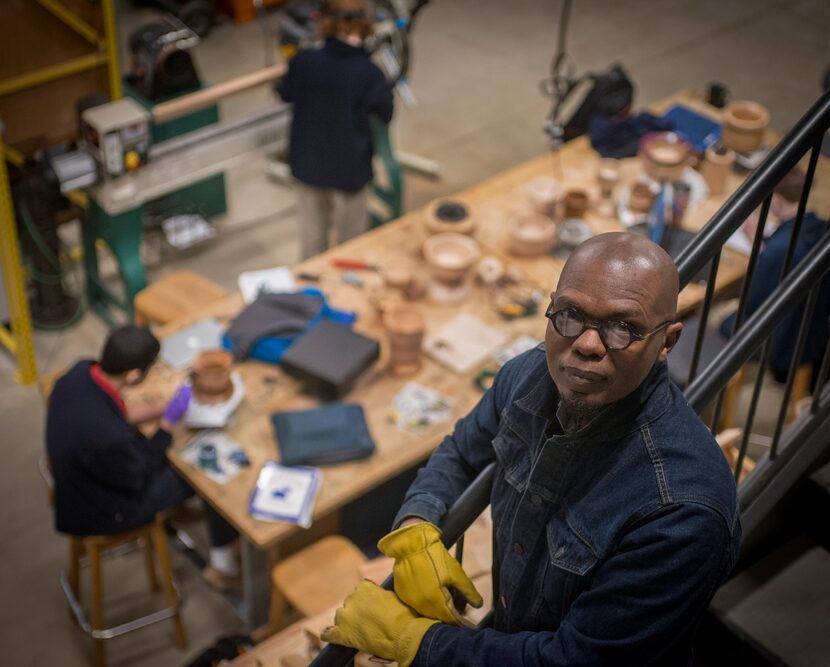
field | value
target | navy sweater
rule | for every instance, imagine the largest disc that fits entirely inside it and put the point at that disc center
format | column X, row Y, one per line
column 334, row 90
column 765, row 279
column 102, row 466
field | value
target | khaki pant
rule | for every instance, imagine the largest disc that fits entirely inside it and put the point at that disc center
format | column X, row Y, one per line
column 328, row 216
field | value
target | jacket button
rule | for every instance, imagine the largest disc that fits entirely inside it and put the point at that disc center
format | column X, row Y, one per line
column 536, row 500
column 559, row 552
column 503, row 602
column 518, row 549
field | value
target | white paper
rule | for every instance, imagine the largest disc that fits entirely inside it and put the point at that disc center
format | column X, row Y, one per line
column 266, row 281
column 416, row 407
column 285, row 493
column 463, row 343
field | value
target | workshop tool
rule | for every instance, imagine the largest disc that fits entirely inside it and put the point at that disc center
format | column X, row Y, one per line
column 354, row 264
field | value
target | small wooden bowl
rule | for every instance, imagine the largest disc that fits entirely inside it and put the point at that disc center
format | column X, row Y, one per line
column 448, row 215
column 211, row 376
column 576, row 203
column 531, row 234
column 664, row 156
column 450, row 256
column 744, row 126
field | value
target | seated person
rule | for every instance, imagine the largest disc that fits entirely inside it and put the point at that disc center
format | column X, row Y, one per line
column 110, row 478
column 615, row 514
column 767, row 275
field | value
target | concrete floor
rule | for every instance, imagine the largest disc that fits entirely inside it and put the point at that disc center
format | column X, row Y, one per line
column 476, row 70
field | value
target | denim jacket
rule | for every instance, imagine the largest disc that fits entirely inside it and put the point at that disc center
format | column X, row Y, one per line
column 610, row 541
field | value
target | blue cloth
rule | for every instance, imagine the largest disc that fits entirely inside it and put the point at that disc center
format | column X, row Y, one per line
column 765, row 279
column 620, row 137
column 108, row 476
column 271, row 324
column 609, row 541
column 334, row 90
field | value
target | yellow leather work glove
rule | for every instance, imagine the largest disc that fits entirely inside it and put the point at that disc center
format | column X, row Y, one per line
column 425, row 572
column 376, row 621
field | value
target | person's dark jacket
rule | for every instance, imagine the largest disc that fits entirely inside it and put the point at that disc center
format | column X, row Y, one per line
column 765, row 279
column 334, row 90
column 609, row 541
column 101, row 465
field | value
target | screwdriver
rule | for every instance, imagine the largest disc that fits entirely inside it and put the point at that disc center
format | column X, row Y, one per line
column 354, row 264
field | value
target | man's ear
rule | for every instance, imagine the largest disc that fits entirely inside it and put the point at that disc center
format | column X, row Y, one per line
column 133, row 377
column 673, row 332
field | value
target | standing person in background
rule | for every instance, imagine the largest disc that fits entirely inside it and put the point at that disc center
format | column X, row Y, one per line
column 334, row 90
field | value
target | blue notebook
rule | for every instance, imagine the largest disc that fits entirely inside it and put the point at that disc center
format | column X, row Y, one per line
column 698, row 129
column 326, row 435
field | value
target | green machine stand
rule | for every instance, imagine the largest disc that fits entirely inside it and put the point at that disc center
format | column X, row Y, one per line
column 391, row 194
column 122, row 232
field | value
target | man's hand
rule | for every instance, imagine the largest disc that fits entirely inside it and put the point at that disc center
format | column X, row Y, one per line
column 376, row 621
column 425, row 573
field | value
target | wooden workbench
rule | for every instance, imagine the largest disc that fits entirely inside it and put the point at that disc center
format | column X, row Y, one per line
column 398, row 243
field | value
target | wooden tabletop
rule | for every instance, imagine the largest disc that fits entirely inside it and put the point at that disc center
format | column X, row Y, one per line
column 398, row 243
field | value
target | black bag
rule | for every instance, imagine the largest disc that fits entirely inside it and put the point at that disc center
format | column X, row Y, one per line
column 609, row 93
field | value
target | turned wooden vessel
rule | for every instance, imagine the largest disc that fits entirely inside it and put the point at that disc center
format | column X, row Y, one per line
column 405, row 331
column 744, row 125
column 531, row 234
column 211, row 376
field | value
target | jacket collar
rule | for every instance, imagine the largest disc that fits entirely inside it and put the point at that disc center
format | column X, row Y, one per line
column 339, row 47
column 642, row 406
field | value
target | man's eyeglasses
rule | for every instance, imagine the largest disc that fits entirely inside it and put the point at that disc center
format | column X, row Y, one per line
column 614, row 334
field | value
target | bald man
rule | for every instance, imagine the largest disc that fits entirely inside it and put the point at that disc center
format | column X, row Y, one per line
column 614, row 512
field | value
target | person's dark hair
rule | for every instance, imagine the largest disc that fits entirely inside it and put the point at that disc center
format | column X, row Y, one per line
column 791, row 185
column 343, row 17
column 128, row 348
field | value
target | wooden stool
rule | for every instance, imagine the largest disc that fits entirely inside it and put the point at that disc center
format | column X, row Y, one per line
column 178, row 294
column 314, row 579
column 154, row 543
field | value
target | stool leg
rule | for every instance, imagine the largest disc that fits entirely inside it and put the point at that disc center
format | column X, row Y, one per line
column 149, row 563
column 96, row 602
column 160, row 543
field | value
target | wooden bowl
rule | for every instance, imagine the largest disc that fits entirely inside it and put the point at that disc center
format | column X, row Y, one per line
column 448, row 215
column 576, row 203
column 405, row 331
column 543, row 192
column 664, row 156
column 744, row 125
column 450, row 256
column 531, row 234
column 211, row 376
column 641, row 198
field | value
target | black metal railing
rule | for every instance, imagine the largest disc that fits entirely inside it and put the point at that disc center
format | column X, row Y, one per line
column 751, row 339
column 794, row 449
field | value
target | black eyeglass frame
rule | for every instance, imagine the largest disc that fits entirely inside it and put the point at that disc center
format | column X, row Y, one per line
column 633, row 334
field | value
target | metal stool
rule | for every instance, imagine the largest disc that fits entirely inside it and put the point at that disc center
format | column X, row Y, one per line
column 154, row 543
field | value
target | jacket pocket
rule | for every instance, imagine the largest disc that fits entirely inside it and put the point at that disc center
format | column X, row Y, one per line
column 570, row 565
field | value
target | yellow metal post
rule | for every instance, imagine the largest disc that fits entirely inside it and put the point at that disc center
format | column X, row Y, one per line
column 111, row 48
column 71, row 20
column 19, row 340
